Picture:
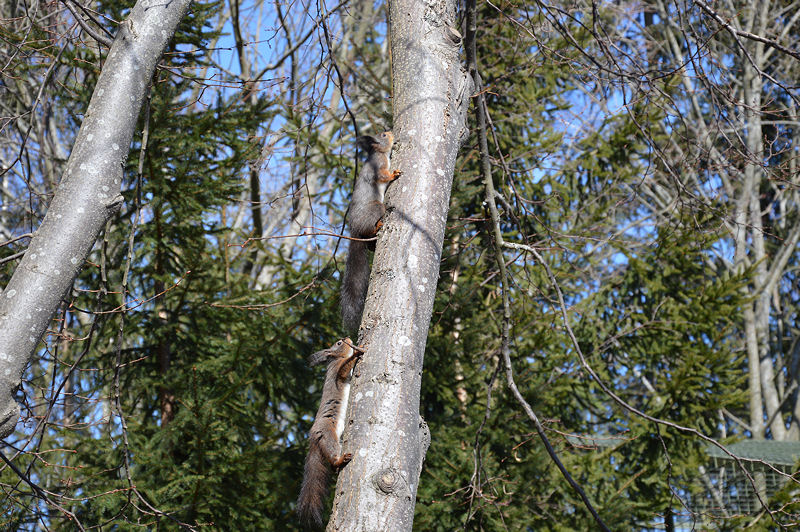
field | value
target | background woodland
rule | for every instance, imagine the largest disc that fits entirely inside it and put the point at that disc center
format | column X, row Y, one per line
column 643, row 161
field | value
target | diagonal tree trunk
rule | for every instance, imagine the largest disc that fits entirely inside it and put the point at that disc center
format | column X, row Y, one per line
column 87, row 196
column 388, row 439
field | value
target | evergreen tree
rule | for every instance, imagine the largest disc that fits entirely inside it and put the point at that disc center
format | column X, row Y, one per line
column 628, row 305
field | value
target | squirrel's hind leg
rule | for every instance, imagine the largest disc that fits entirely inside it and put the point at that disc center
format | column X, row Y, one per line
column 366, row 219
column 331, row 450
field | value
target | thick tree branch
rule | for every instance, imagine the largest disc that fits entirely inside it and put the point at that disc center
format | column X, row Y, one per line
column 88, row 195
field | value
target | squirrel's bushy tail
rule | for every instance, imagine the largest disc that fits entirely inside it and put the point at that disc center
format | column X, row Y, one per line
column 314, row 490
column 354, row 285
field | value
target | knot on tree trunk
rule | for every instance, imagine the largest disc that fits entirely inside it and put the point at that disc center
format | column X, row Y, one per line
column 387, row 480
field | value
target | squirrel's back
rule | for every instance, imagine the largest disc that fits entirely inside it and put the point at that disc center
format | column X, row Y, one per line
column 364, row 217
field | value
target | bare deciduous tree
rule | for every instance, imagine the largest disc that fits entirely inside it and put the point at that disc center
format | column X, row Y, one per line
column 729, row 148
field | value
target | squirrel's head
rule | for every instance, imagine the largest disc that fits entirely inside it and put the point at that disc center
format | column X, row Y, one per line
column 338, row 350
column 380, row 143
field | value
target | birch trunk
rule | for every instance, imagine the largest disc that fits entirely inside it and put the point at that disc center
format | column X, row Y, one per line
column 757, row 320
column 388, row 439
column 87, row 196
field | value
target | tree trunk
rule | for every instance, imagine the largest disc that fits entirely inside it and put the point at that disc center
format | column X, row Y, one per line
column 749, row 197
column 388, row 439
column 88, row 194
column 757, row 320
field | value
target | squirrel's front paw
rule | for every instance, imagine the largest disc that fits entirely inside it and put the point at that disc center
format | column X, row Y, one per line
column 342, row 460
column 396, row 174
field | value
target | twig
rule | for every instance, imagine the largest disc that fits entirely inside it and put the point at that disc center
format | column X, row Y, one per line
column 12, row 257
column 746, row 34
column 310, row 285
column 105, row 41
column 304, row 233
column 32, row 110
column 476, row 449
column 117, row 403
column 332, row 57
column 293, row 48
column 20, row 237
column 40, row 492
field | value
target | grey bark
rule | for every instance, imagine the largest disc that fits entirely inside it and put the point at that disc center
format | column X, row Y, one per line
column 377, row 490
column 87, row 196
column 749, row 194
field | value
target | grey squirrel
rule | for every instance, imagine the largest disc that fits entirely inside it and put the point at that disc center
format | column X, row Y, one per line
column 365, row 218
column 324, row 449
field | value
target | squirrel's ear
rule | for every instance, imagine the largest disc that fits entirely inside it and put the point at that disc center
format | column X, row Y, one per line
column 318, row 358
column 365, row 142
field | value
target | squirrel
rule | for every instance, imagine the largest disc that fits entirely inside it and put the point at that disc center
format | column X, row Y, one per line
column 324, row 450
column 365, row 218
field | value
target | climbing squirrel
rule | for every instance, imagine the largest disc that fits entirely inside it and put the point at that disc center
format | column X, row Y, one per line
column 324, row 449
column 365, row 218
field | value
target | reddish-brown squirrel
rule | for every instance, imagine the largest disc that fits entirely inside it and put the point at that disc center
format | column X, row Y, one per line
column 324, row 449
column 365, row 219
